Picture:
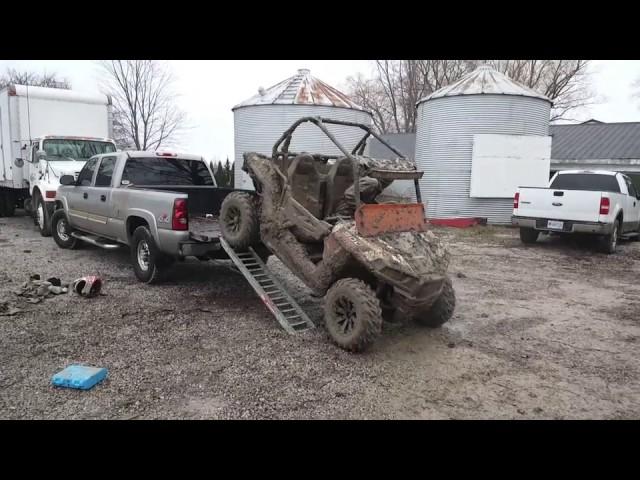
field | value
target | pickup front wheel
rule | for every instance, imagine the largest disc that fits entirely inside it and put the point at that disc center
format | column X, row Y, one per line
column 61, row 230
column 148, row 262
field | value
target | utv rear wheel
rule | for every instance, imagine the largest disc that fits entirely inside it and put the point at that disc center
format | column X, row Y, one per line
column 239, row 220
column 61, row 230
column 529, row 235
column 352, row 314
column 441, row 310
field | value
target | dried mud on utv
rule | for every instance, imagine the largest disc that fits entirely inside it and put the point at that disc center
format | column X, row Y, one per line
column 380, row 262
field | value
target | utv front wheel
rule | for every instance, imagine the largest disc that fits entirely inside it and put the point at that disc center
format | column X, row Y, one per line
column 239, row 220
column 441, row 310
column 352, row 314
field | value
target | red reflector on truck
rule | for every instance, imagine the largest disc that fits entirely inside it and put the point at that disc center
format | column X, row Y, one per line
column 50, row 194
column 516, row 200
column 604, row 206
column 180, row 218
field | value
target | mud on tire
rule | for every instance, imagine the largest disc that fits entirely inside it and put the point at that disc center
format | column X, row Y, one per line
column 239, row 220
column 61, row 230
column 352, row 314
column 609, row 242
column 441, row 310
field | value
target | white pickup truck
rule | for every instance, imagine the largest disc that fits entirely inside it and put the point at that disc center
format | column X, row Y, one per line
column 579, row 201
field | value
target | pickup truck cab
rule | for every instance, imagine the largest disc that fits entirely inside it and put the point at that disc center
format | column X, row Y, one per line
column 164, row 206
column 598, row 202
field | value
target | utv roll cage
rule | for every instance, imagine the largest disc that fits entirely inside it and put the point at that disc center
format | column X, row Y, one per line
column 382, row 173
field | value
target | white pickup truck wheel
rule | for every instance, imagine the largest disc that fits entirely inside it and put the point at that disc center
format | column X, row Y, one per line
column 529, row 235
column 610, row 242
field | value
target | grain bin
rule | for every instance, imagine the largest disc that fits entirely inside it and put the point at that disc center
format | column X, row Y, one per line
column 483, row 102
column 263, row 118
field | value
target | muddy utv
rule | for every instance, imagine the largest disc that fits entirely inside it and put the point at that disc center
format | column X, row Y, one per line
column 378, row 262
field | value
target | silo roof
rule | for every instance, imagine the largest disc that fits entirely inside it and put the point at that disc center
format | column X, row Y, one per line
column 484, row 80
column 301, row 89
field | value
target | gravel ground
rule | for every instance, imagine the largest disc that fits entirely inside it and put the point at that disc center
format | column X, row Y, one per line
column 544, row 331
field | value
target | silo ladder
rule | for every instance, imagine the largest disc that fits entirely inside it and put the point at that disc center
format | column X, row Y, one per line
column 276, row 298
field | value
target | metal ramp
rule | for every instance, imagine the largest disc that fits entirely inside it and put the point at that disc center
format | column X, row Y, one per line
column 286, row 310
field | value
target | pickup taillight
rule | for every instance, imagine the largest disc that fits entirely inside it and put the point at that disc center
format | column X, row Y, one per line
column 180, row 218
column 604, row 206
column 516, row 200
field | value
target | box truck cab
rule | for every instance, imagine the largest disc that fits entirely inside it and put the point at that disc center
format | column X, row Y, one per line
column 50, row 158
column 46, row 133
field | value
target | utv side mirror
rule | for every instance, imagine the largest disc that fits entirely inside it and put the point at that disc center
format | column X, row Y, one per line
column 67, row 180
column 18, row 162
column 41, row 155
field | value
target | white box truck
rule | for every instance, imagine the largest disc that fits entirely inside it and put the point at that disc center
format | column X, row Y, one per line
column 46, row 133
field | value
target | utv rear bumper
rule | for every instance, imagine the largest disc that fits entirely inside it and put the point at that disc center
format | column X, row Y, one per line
column 568, row 226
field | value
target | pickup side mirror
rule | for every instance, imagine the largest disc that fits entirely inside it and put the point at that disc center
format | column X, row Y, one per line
column 67, row 180
column 40, row 155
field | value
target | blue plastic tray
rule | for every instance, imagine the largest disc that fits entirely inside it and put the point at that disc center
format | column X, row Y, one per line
column 79, row 376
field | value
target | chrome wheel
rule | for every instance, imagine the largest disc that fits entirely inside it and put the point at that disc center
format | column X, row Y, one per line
column 614, row 235
column 61, row 229
column 40, row 215
column 143, row 255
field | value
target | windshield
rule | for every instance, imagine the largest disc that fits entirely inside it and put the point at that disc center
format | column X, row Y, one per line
column 166, row 171
column 72, row 149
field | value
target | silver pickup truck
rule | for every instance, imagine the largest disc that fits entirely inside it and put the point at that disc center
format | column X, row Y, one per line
column 164, row 206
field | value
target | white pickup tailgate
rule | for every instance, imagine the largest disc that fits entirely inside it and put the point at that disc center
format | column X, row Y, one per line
column 578, row 205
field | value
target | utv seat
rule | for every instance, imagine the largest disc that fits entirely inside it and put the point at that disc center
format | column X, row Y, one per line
column 307, row 184
column 339, row 178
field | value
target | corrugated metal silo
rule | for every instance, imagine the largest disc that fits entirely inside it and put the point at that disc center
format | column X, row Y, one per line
column 483, row 102
column 260, row 120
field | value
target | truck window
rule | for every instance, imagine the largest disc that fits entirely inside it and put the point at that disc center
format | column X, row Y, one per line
column 105, row 172
column 166, row 171
column 75, row 149
column 586, row 181
column 632, row 189
column 86, row 174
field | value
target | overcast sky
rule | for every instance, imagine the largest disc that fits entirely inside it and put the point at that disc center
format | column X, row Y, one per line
column 210, row 88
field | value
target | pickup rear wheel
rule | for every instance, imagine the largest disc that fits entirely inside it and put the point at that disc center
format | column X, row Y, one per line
column 61, row 230
column 239, row 220
column 149, row 263
column 610, row 242
column 529, row 235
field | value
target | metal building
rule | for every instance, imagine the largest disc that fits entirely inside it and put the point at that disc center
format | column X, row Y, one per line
column 483, row 102
column 260, row 120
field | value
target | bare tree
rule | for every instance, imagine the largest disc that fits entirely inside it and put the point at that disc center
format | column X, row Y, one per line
column 32, row 79
column 145, row 114
column 399, row 84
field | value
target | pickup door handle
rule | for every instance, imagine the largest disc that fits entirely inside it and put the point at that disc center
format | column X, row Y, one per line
column 85, row 195
column 103, row 198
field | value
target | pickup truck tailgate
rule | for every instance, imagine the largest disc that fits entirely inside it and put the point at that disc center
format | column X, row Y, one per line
column 578, row 205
